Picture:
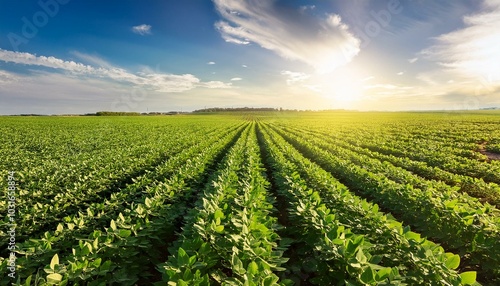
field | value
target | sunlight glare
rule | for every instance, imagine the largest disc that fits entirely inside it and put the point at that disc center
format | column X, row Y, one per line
column 343, row 87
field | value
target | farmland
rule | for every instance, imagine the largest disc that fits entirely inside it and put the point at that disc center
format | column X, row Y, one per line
column 256, row 198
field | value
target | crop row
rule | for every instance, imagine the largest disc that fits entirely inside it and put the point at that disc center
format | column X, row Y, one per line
column 230, row 238
column 448, row 157
column 460, row 222
column 255, row 200
column 134, row 225
column 414, row 260
column 42, row 213
column 476, row 187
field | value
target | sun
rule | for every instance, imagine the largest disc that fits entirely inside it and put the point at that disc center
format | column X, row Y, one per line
column 345, row 91
column 344, row 87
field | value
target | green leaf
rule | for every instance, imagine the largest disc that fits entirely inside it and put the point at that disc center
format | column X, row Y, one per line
column 192, row 260
column 97, row 262
column 113, row 225
column 383, row 274
column 394, row 273
column 410, row 235
column 368, row 276
column 28, row 281
column 95, row 243
column 237, row 265
column 218, row 214
column 451, row 204
column 351, row 248
column 54, row 278
column 147, row 202
column 360, row 256
column 219, row 229
column 86, row 249
column 124, row 233
column 453, row 261
column 270, row 280
column 253, row 268
column 469, row 277
column 330, row 218
column 188, row 275
column 375, row 259
column 54, row 261
column 182, row 257
column 105, row 267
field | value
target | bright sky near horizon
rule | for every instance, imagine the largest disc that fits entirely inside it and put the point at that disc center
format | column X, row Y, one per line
column 73, row 56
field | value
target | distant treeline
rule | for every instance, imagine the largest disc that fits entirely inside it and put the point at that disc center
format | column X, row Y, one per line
column 114, row 113
column 121, row 113
column 237, row 109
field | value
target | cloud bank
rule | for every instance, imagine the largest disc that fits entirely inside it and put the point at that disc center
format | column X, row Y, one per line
column 294, row 77
column 322, row 42
column 468, row 53
column 155, row 81
column 6, row 78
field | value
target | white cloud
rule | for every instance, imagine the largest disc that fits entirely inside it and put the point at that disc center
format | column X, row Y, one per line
column 215, row 84
column 471, row 53
column 294, row 77
column 387, row 86
column 92, row 59
column 46, row 92
column 236, row 79
column 412, row 60
column 231, row 34
column 245, row 66
column 169, row 82
column 401, row 73
column 211, row 63
column 51, row 62
column 160, row 82
column 142, row 29
column 6, row 78
column 324, row 43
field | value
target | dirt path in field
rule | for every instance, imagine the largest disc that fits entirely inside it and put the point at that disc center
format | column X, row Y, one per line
column 490, row 155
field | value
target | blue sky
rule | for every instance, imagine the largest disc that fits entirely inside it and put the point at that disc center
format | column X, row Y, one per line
column 73, row 56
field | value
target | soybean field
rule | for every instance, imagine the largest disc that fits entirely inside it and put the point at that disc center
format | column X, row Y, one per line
column 255, row 198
